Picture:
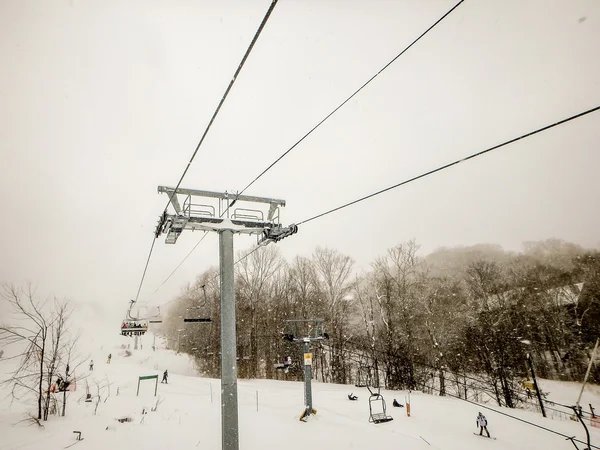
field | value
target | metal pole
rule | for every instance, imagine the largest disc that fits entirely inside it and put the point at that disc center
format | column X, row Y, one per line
column 587, row 433
column 135, row 344
column 307, row 378
column 537, row 390
column 229, row 406
column 587, row 373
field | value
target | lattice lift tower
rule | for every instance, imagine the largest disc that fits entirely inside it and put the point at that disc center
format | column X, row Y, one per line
column 216, row 213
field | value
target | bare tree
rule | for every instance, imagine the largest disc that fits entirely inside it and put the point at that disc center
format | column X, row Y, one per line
column 333, row 271
column 72, row 362
column 397, row 278
column 367, row 299
column 33, row 335
column 255, row 275
column 40, row 336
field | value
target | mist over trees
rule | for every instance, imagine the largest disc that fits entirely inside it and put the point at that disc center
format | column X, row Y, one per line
column 459, row 320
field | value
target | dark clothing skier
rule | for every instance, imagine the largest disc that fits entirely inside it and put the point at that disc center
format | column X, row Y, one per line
column 91, row 365
column 351, row 396
column 165, row 376
column 397, row 404
column 482, row 424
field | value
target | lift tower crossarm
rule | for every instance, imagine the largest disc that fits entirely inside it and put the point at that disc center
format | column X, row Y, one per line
column 221, row 195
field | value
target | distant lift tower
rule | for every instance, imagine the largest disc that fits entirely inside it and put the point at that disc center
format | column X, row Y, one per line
column 214, row 211
column 305, row 331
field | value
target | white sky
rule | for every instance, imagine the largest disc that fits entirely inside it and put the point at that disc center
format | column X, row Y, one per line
column 101, row 102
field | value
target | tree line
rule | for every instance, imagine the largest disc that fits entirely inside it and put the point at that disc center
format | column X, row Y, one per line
column 458, row 320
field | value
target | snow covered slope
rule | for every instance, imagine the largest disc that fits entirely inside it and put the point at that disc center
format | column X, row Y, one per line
column 188, row 414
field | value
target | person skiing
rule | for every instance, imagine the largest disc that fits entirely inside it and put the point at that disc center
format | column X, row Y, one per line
column 482, row 424
column 351, row 396
column 91, row 365
column 164, row 379
column 397, row 404
column 108, row 360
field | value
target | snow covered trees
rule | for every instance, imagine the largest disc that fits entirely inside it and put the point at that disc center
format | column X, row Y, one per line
column 454, row 320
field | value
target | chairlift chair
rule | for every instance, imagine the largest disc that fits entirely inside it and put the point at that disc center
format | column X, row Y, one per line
column 134, row 328
column 137, row 326
column 198, row 319
column 285, row 364
column 377, row 412
column 157, row 318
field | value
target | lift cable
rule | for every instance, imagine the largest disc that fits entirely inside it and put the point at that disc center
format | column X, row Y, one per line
column 317, row 125
column 179, row 265
column 215, row 278
column 145, row 269
column 362, row 350
column 235, row 75
column 424, row 385
column 479, row 405
column 446, row 166
column 349, row 98
column 453, row 163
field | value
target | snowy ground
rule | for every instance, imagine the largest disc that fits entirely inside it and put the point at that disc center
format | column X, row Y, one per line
column 188, row 414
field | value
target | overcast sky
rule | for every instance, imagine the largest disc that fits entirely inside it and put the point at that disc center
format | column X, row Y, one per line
column 102, row 101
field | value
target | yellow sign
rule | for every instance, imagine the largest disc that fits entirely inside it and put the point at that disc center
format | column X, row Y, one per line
column 308, row 359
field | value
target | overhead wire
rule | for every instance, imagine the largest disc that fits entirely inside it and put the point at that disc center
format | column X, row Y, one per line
column 180, row 264
column 430, row 172
column 235, row 75
column 362, row 350
column 237, row 195
column 212, row 119
column 215, row 278
column 145, row 269
column 446, row 166
column 453, row 163
column 337, row 108
column 479, row 405
column 425, row 385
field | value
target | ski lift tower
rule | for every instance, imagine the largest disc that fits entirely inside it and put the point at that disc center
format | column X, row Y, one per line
column 306, row 331
column 214, row 211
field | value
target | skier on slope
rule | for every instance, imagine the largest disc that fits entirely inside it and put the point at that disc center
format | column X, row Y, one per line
column 165, row 376
column 482, row 424
column 91, row 365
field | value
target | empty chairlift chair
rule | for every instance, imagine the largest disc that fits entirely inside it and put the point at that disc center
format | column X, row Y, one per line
column 377, row 412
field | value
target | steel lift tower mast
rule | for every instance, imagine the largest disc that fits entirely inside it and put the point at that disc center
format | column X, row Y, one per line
column 215, row 211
